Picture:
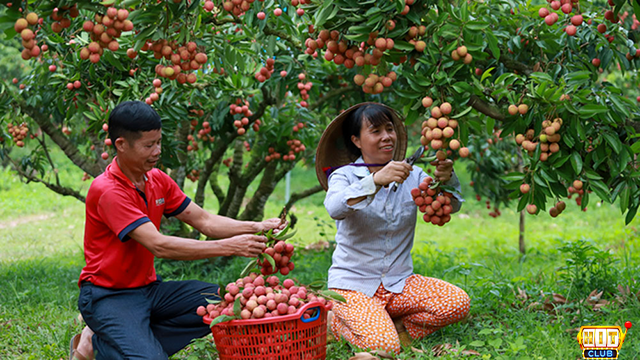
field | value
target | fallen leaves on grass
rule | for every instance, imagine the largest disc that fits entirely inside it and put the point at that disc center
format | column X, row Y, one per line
column 363, row 356
column 320, row 245
column 375, row 354
column 445, row 349
column 383, row 354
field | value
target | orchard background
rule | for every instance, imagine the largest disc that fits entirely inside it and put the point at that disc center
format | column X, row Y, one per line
column 539, row 99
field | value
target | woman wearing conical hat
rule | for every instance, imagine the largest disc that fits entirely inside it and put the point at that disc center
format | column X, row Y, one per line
column 359, row 155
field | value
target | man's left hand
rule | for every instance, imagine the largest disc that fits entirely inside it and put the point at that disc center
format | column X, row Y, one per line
column 444, row 168
column 273, row 223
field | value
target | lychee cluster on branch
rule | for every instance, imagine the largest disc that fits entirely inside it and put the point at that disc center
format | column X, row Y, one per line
column 18, row 133
column 438, row 130
column 239, row 109
column 21, row 26
column 184, row 59
column 104, row 32
column 304, row 88
column 265, row 72
column 435, row 204
column 548, row 139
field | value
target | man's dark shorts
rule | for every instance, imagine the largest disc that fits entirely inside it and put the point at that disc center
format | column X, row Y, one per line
column 149, row 322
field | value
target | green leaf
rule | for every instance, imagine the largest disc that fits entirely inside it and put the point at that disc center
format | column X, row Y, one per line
column 476, row 25
column 633, row 210
column 237, row 307
column 576, row 162
column 283, row 231
column 624, row 198
column 330, row 294
column 212, row 301
column 635, row 147
column 487, row 73
column 513, row 176
column 477, row 343
column 491, row 122
column 323, row 15
column 222, row 290
column 463, row 113
column 524, row 200
column 247, row 269
column 496, row 343
column 636, row 10
column 613, row 141
column 492, row 41
column 270, row 260
column 601, row 189
column 400, row 45
column 541, row 77
column 592, row 175
column 287, row 236
column 589, row 110
column 221, row 318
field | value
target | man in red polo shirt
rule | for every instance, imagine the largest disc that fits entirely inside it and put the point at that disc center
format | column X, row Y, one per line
column 130, row 312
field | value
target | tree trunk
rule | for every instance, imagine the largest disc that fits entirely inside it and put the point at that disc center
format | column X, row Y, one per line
column 236, row 187
column 216, row 154
column 179, row 174
column 215, row 187
column 272, row 175
column 521, row 242
column 521, row 236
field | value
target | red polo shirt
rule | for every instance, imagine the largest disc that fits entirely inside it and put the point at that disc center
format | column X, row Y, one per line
column 114, row 207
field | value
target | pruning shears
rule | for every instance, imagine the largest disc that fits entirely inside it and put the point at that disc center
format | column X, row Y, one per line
column 411, row 160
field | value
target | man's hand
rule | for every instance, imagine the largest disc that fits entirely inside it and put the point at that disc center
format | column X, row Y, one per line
column 397, row 171
column 273, row 223
column 444, row 168
column 246, row 245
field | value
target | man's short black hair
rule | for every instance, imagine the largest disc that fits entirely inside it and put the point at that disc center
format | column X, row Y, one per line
column 130, row 118
column 375, row 114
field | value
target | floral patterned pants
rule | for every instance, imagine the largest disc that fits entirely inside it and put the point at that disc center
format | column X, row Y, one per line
column 425, row 305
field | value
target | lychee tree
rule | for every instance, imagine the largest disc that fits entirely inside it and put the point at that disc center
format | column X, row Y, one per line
column 231, row 92
column 538, row 71
column 250, row 85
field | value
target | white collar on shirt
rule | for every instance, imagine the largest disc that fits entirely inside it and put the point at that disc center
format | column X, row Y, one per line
column 360, row 171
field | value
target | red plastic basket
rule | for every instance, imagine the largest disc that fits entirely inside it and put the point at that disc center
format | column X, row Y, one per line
column 287, row 337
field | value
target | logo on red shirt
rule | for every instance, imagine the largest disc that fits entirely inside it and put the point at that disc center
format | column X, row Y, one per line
column 159, row 201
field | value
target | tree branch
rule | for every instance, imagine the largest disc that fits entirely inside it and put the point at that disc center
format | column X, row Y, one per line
column 268, row 30
column 332, row 93
column 271, row 177
column 215, row 187
column 221, row 146
column 62, row 190
column 485, row 108
column 301, row 195
column 237, row 187
column 511, row 64
column 178, row 175
column 89, row 165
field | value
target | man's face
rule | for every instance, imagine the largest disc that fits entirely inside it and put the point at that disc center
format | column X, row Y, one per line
column 142, row 154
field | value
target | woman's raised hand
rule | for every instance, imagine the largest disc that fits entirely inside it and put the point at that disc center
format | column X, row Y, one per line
column 444, row 168
column 397, row 171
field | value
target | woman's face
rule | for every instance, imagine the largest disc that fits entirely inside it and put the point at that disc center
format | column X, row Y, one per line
column 376, row 143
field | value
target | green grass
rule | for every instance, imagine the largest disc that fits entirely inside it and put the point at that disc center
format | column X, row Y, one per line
column 41, row 257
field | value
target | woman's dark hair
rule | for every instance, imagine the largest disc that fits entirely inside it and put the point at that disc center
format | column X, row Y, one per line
column 130, row 118
column 376, row 115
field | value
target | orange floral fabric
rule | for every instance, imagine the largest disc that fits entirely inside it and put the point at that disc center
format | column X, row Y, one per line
column 425, row 305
